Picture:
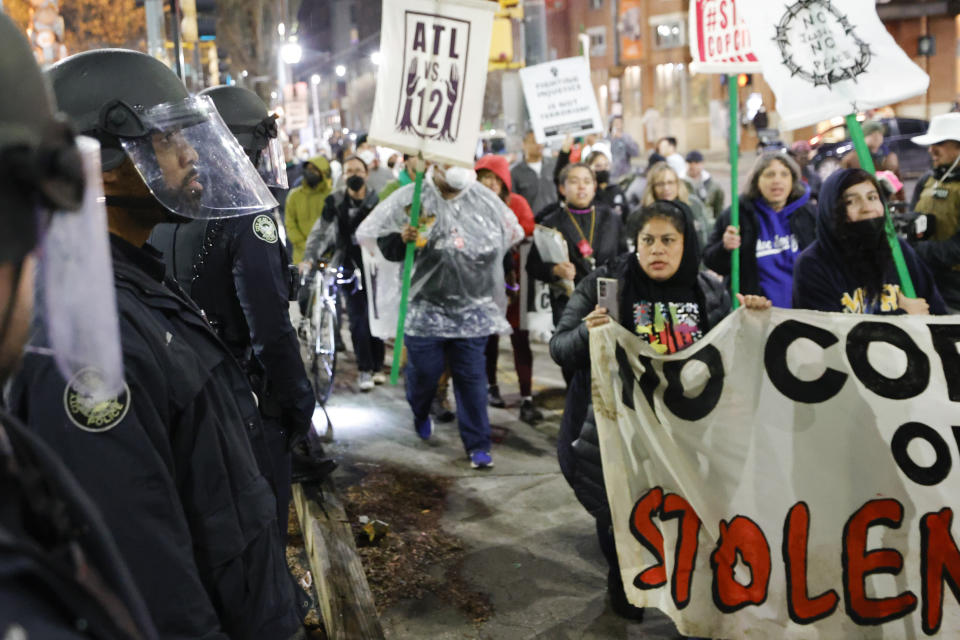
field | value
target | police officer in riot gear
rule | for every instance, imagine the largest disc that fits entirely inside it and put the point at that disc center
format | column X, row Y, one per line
column 60, row 574
column 175, row 459
column 237, row 271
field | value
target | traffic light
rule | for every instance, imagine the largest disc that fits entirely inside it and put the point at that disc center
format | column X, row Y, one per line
column 744, row 79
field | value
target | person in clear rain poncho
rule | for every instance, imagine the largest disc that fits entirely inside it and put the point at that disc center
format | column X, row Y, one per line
column 457, row 295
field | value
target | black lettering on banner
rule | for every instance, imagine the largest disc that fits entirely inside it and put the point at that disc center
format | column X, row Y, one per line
column 945, row 338
column 926, row 476
column 914, row 380
column 694, row 408
column 649, row 381
column 626, row 377
column 775, row 361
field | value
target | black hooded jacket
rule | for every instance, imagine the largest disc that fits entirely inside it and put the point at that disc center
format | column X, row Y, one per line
column 578, row 446
column 824, row 280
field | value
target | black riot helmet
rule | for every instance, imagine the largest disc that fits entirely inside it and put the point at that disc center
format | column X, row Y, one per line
column 254, row 128
column 138, row 109
column 39, row 163
column 51, row 200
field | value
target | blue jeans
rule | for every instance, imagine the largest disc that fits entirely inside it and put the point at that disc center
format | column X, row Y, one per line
column 426, row 359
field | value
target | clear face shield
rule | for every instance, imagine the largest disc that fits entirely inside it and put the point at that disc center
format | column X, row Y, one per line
column 271, row 165
column 75, row 298
column 193, row 165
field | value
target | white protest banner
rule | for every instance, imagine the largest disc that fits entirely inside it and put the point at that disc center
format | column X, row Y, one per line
column 825, row 58
column 432, row 77
column 719, row 38
column 560, row 99
column 295, row 111
column 790, row 475
column 381, row 278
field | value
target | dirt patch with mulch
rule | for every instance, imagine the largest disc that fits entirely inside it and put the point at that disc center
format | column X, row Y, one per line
column 416, row 556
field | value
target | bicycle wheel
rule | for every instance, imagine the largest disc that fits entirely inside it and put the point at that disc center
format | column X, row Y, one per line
column 324, row 355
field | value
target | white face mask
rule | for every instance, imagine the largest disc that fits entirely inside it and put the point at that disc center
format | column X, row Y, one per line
column 458, row 177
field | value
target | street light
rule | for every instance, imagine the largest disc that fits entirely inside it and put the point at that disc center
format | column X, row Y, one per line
column 315, row 79
column 341, row 71
column 375, row 57
column 291, row 53
column 282, row 29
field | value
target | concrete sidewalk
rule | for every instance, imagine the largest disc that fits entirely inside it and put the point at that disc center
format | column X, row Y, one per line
column 529, row 543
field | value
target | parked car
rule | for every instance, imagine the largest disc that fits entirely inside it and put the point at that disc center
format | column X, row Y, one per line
column 834, row 143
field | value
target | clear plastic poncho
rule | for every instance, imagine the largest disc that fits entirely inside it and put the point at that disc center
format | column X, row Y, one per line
column 457, row 287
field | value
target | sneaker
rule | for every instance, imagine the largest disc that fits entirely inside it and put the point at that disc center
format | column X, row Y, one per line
column 493, row 397
column 529, row 413
column 366, row 381
column 424, row 429
column 480, row 459
column 440, row 412
column 379, row 377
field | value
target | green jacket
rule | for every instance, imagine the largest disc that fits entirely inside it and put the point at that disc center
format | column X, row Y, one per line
column 304, row 206
column 401, row 181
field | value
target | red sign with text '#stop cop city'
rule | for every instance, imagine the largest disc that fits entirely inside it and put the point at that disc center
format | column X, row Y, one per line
column 719, row 39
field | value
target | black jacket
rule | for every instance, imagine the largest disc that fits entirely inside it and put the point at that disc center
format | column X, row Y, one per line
column 803, row 224
column 823, row 281
column 539, row 190
column 609, row 242
column 170, row 462
column 578, row 446
column 236, row 270
column 337, row 207
column 50, row 536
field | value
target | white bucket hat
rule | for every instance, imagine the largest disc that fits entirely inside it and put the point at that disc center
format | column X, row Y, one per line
column 942, row 127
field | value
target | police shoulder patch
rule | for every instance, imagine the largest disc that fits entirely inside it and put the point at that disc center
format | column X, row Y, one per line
column 86, row 407
column 265, row 228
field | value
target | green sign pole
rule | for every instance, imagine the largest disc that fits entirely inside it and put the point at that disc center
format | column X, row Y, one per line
column 407, row 272
column 866, row 163
column 734, row 184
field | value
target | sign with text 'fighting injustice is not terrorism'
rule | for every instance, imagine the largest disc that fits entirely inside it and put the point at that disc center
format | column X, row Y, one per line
column 791, row 475
column 432, row 77
column 719, row 38
column 560, row 99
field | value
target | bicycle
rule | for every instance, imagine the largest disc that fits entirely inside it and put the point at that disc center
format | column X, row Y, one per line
column 319, row 325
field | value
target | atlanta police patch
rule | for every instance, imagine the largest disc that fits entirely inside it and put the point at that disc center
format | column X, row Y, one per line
column 265, row 228
column 86, row 407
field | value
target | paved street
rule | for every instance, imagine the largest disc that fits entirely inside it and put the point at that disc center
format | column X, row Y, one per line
column 529, row 543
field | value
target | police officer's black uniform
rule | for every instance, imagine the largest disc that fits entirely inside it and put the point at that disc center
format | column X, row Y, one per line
column 236, row 270
column 170, row 466
column 60, row 575
column 170, row 461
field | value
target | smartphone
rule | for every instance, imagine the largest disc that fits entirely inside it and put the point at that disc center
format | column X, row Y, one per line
column 607, row 297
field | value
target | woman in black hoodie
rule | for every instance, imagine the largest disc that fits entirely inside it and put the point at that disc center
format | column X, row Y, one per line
column 849, row 268
column 664, row 298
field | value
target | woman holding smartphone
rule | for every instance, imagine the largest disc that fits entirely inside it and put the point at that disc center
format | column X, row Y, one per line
column 663, row 297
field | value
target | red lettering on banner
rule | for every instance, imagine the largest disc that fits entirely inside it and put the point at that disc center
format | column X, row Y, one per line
column 941, row 563
column 647, row 533
column 858, row 563
column 742, row 537
column 688, row 538
column 796, row 532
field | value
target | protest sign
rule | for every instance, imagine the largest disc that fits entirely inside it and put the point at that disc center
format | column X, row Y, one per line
column 719, row 38
column 432, row 77
column 790, row 475
column 825, row 58
column 560, row 99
